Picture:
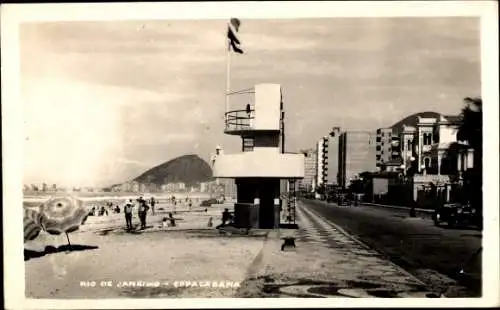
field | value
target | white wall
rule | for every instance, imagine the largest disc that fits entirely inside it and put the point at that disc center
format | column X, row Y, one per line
column 259, row 164
column 267, row 107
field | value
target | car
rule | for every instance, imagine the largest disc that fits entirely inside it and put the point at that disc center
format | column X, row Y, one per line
column 456, row 215
column 343, row 200
column 209, row 202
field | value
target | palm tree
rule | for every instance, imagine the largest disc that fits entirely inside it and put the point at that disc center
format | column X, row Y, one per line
column 471, row 131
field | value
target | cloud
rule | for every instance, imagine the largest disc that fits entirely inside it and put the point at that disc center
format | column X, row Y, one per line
column 147, row 91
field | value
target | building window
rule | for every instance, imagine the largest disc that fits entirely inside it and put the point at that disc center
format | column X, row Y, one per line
column 427, row 138
column 378, row 148
column 408, row 145
column 427, row 162
column 248, row 144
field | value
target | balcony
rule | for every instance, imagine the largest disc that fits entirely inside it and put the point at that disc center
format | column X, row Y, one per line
column 239, row 121
column 262, row 117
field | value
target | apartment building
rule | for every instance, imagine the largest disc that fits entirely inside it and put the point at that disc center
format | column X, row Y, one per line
column 321, row 161
column 357, row 153
column 310, row 165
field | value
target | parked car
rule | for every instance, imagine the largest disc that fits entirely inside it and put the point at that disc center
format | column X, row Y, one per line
column 209, row 202
column 457, row 214
column 343, row 200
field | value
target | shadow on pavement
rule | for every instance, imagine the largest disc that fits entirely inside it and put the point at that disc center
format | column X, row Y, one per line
column 29, row 254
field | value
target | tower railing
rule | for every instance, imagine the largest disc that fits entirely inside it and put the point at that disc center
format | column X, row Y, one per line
column 239, row 120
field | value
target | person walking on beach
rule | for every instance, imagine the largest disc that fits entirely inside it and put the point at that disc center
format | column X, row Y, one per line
column 226, row 217
column 128, row 214
column 153, row 201
column 143, row 209
column 171, row 219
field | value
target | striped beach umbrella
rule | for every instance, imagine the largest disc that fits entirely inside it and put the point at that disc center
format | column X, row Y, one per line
column 62, row 215
column 34, row 213
column 31, row 221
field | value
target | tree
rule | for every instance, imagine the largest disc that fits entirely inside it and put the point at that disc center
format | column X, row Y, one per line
column 471, row 131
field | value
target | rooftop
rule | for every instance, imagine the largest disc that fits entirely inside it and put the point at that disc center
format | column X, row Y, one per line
column 453, row 119
column 393, row 162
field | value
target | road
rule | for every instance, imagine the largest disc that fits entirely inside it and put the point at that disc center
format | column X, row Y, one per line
column 435, row 255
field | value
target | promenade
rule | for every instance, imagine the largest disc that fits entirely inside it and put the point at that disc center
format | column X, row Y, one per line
column 193, row 260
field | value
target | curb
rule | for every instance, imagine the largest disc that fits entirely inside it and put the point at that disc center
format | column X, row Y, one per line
column 397, row 207
column 379, row 205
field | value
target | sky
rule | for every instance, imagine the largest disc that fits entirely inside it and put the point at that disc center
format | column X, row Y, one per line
column 105, row 101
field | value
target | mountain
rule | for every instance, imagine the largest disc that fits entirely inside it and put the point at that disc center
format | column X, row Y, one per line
column 190, row 169
column 412, row 121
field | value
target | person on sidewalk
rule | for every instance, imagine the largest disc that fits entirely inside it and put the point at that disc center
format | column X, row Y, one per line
column 128, row 214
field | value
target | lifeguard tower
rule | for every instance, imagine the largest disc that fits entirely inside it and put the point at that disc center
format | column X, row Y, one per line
column 262, row 167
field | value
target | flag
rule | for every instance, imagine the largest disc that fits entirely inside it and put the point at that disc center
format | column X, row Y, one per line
column 232, row 29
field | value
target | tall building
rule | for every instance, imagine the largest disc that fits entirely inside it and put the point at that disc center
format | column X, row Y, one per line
column 383, row 146
column 357, row 150
column 388, row 152
column 321, row 161
column 332, row 157
column 310, row 163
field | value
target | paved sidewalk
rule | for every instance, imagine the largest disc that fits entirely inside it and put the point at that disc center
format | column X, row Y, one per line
column 326, row 263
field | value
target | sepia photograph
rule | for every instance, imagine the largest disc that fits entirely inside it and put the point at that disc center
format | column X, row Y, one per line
column 243, row 156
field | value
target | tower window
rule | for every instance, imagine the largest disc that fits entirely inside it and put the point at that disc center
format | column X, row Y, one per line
column 427, row 138
column 248, row 144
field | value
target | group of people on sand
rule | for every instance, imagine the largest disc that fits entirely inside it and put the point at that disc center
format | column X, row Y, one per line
column 142, row 211
column 99, row 211
column 143, row 206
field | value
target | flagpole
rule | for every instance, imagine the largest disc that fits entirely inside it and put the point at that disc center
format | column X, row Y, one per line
column 228, row 76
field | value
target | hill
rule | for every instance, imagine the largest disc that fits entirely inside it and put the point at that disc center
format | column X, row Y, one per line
column 412, row 121
column 190, row 169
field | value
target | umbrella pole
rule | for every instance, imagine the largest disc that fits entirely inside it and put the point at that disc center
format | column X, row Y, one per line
column 69, row 243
